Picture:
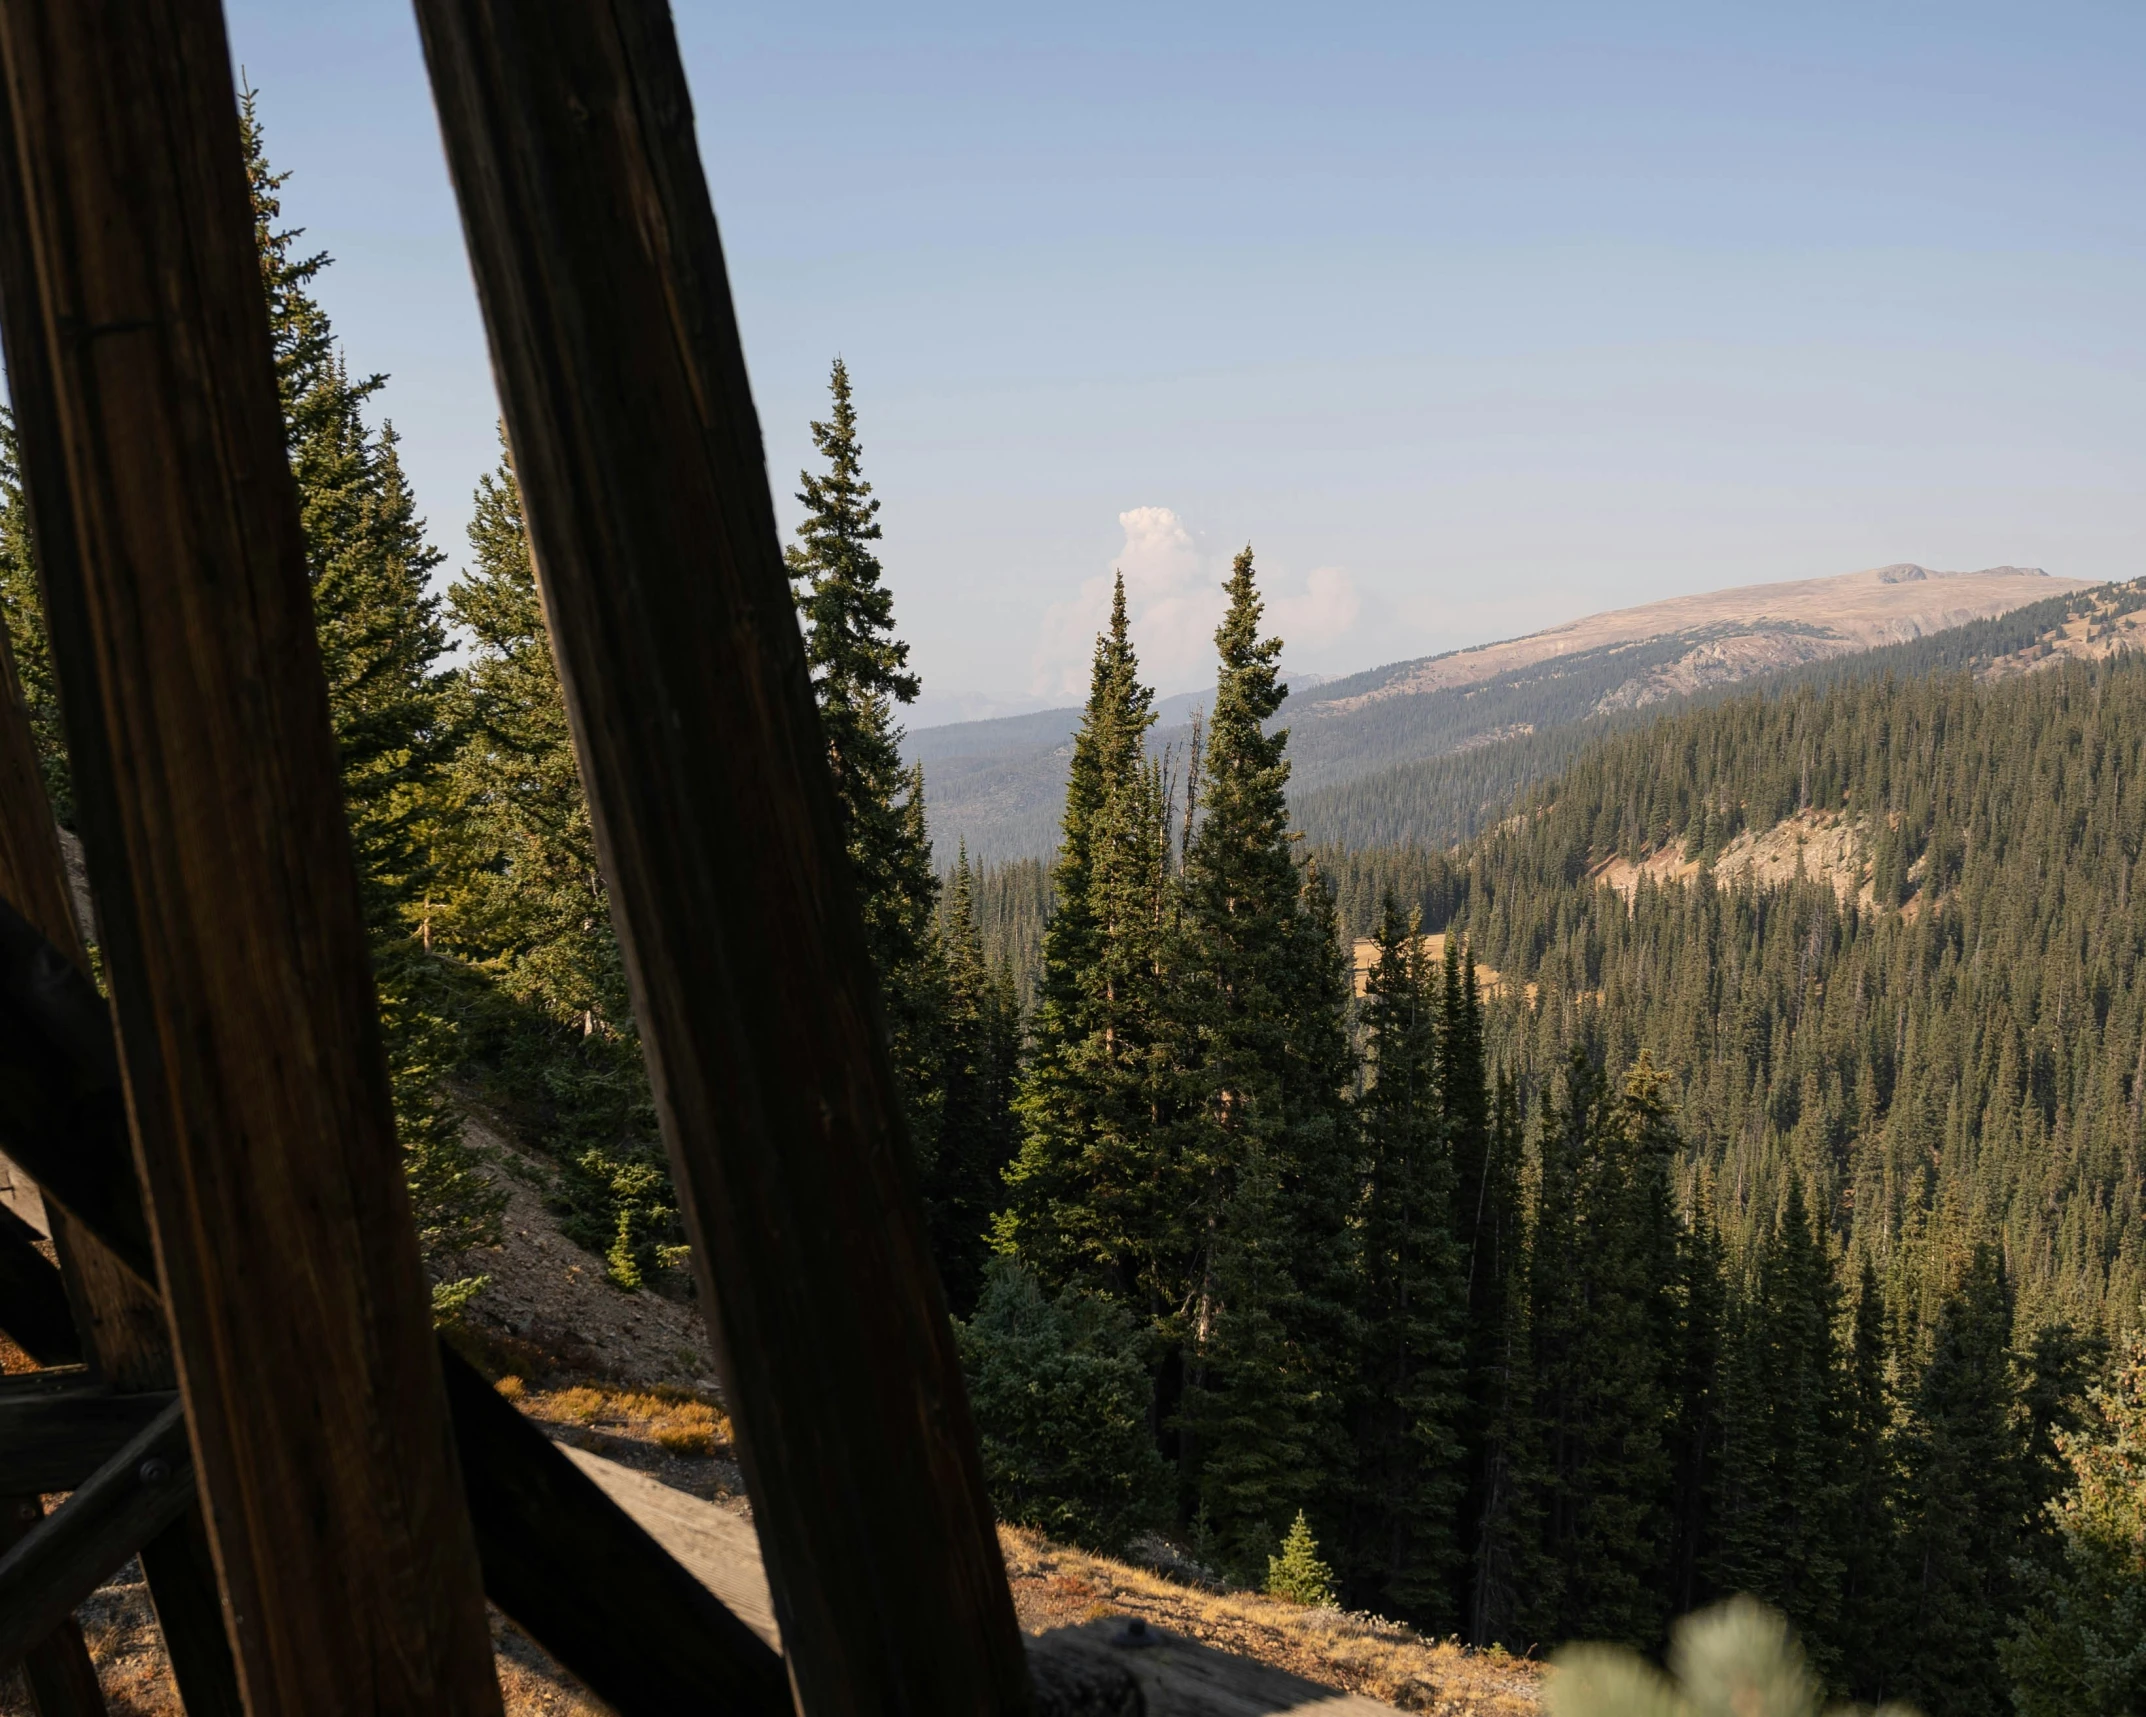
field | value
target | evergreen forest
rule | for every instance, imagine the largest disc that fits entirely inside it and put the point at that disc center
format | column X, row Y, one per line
column 1709, row 1164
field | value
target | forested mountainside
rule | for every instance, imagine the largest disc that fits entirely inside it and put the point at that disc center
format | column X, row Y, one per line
column 1739, row 1196
column 1882, row 937
column 1437, row 801
column 996, row 786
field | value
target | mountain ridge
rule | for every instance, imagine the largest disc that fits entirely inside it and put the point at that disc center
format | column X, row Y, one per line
column 997, row 786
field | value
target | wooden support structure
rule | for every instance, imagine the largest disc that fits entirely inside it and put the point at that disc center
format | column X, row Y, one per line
column 59, row 1426
column 182, row 632
column 146, row 1485
column 570, row 141
column 578, row 1573
column 224, row 1180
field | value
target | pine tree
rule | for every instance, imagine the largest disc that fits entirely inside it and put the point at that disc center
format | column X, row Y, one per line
column 1506, row 1572
column 1092, row 1192
column 1964, row 1503
column 1271, row 1335
column 529, row 907
column 1869, row 1598
column 860, row 677
column 2081, row 1645
column 381, row 644
column 1408, row 1472
column 1697, row 1435
column 1606, row 1321
column 1298, row 1573
column 979, row 1058
column 1783, row 1522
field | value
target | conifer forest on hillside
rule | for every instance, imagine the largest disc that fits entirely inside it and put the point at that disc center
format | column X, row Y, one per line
column 1709, row 1163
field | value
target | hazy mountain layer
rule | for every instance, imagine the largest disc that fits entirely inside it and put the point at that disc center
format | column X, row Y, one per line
column 1523, row 704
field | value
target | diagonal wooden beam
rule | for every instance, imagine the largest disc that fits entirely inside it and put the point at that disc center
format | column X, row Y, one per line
column 145, row 1486
column 212, row 812
column 119, row 1316
column 59, row 1426
column 570, row 140
column 560, row 1557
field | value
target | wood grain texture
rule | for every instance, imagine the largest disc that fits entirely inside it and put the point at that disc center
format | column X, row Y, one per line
column 560, row 1556
column 117, row 1311
column 70, row 1553
column 63, row 1680
column 570, row 141
column 58, row 1427
column 576, row 1572
column 182, row 630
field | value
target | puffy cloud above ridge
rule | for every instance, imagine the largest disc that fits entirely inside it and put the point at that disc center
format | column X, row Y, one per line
column 1173, row 595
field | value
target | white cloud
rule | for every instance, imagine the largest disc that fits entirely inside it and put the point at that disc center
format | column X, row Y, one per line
column 1325, row 610
column 1173, row 598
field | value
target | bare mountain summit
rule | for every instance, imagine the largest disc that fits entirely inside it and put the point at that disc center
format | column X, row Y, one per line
column 1749, row 629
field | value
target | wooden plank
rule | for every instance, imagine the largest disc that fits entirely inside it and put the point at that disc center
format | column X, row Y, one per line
column 63, row 1680
column 718, row 1548
column 592, row 1587
column 59, row 1426
column 1101, row 1669
column 70, row 1553
column 643, row 1633
column 570, row 141
column 212, row 814
column 33, row 1299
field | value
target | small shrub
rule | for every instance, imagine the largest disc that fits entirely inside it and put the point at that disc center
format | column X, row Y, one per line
column 1297, row 1573
column 580, row 1402
column 511, row 1387
column 1060, row 1392
column 686, row 1439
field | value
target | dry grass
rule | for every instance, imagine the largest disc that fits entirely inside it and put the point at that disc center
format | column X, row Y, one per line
column 682, row 1422
column 1055, row 1587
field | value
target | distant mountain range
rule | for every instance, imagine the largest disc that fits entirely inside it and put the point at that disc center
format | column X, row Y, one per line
column 999, row 785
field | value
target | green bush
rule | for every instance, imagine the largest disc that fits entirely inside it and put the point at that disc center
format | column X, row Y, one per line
column 1060, row 1392
column 1297, row 1573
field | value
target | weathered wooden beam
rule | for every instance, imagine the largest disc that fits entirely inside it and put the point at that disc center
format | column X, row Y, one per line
column 59, row 1426
column 71, row 1552
column 560, row 1557
column 645, row 1635
column 117, row 1320
column 33, row 1299
column 63, row 1680
column 212, row 812
column 570, row 141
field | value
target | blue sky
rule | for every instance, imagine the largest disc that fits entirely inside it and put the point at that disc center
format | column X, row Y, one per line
column 1469, row 319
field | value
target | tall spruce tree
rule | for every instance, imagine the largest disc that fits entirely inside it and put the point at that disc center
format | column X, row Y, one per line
column 1091, row 1194
column 860, row 678
column 1505, row 1567
column 1964, row 1503
column 980, row 1055
column 528, row 905
column 1273, row 1162
column 1783, row 1517
column 381, row 645
column 1402, row 1552
column 1607, row 1333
